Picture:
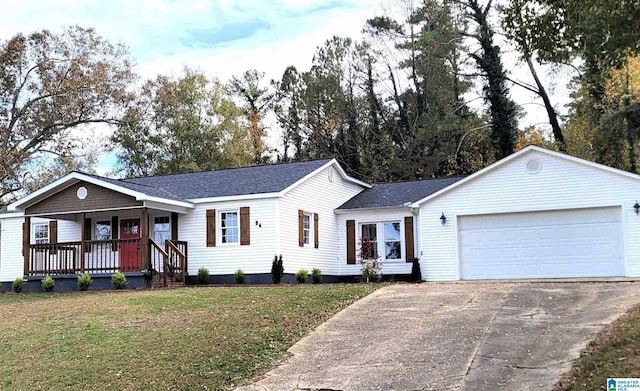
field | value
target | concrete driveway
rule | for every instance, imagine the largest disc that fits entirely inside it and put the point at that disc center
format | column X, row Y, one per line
column 453, row 336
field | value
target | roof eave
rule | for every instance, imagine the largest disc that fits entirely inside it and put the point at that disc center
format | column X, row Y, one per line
column 371, row 209
column 75, row 177
column 333, row 162
column 237, row 197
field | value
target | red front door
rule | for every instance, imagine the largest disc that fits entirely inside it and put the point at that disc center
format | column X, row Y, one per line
column 130, row 249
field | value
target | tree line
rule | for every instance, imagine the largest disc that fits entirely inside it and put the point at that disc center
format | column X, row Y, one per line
column 393, row 105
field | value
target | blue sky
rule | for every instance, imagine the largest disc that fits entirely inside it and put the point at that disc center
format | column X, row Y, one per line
column 221, row 37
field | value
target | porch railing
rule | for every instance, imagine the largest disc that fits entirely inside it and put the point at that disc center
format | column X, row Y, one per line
column 107, row 256
column 168, row 264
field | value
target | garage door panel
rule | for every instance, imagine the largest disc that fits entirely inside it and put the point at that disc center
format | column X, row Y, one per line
column 541, row 219
column 550, row 244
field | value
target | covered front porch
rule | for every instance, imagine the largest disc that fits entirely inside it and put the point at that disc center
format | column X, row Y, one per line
column 82, row 224
column 137, row 240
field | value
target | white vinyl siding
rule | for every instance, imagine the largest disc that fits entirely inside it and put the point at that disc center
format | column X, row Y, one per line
column 226, row 259
column 318, row 195
column 561, row 184
column 11, row 261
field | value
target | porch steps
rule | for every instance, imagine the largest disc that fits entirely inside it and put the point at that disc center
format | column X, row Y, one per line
column 159, row 282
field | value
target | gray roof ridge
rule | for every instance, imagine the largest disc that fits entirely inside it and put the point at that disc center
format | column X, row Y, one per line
column 419, row 180
column 224, row 169
column 125, row 181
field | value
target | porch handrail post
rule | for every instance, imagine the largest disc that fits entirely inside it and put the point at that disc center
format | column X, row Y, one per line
column 145, row 254
column 26, row 241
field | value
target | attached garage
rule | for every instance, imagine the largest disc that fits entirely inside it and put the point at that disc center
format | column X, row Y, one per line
column 544, row 244
column 536, row 214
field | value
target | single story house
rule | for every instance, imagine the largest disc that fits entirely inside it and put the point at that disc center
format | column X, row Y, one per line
column 534, row 214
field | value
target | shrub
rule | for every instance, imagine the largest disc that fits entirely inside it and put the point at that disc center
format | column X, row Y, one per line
column 48, row 283
column 316, row 275
column 239, row 275
column 371, row 270
column 277, row 270
column 84, row 282
column 416, row 274
column 118, row 280
column 203, row 275
column 18, row 285
column 302, row 276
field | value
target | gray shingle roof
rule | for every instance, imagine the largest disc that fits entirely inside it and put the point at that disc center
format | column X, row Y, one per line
column 397, row 194
column 220, row 183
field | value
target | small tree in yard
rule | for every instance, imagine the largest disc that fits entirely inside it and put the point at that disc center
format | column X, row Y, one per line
column 277, row 270
column 84, row 282
column 369, row 260
column 48, row 283
column 239, row 276
column 18, row 285
column 203, row 276
column 416, row 274
column 302, row 276
column 316, row 275
column 118, row 280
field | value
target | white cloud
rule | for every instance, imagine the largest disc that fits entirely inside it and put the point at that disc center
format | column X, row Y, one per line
column 222, row 38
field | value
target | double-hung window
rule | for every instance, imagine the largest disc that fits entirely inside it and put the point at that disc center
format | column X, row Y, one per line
column 41, row 233
column 103, row 230
column 161, row 229
column 229, row 226
column 381, row 240
column 306, row 228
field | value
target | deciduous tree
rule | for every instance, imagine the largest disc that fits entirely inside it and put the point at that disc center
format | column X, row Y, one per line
column 52, row 86
column 182, row 125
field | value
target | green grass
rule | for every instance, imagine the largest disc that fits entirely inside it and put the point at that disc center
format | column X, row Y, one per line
column 207, row 338
column 614, row 353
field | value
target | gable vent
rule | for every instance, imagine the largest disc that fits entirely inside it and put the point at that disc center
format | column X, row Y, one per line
column 534, row 166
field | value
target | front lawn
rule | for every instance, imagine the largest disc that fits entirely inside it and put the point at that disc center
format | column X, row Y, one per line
column 614, row 353
column 205, row 338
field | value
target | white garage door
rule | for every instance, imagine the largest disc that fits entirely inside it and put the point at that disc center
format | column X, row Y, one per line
column 549, row 244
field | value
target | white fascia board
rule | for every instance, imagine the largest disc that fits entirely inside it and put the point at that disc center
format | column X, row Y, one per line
column 69, row 180
column 75, row 177
column 331, row 162
column 239, row 197
column 11, row 214
column 347, row 177
column 516, row 155
column 163, row 205
column 373, row 209
column 166, row 201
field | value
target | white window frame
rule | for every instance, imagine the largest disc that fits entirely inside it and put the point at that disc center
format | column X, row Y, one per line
column 168, row 231
column 220, row 227
column 381, row 240
column 306, row 228
column 33, row 233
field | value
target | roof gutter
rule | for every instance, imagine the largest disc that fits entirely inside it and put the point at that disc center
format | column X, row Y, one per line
column 372, row 209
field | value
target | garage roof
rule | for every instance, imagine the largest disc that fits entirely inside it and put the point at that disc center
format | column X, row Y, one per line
column 398, row 194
